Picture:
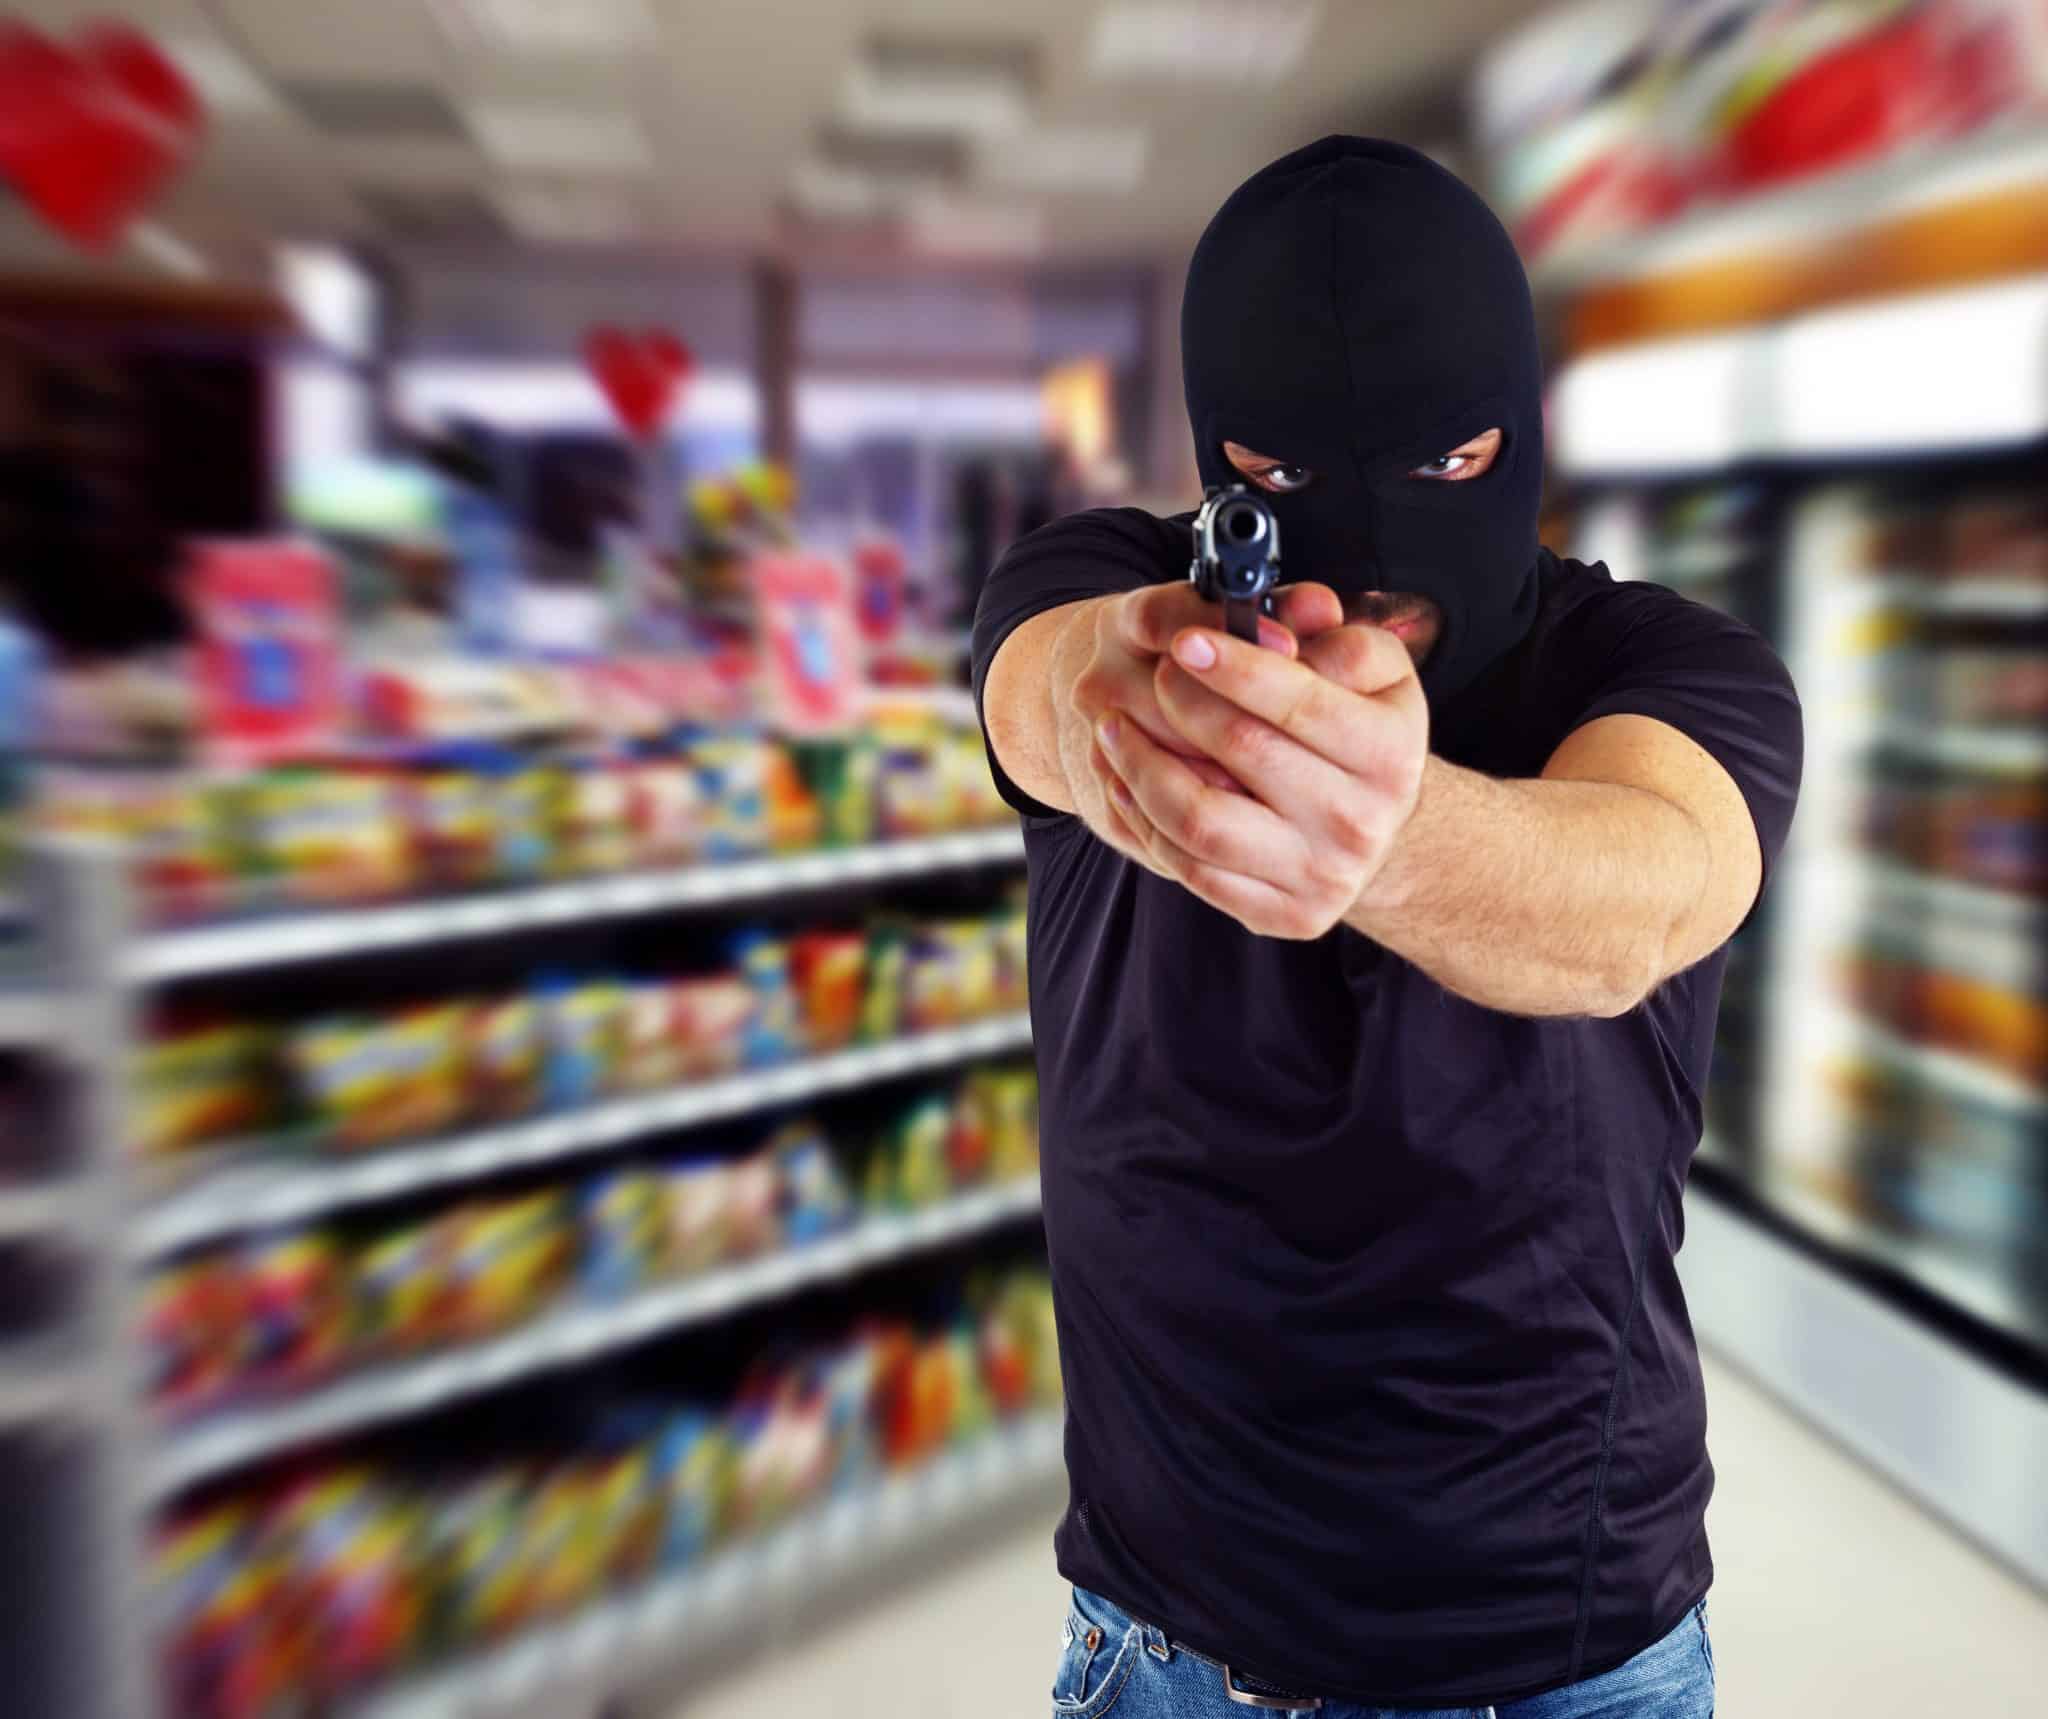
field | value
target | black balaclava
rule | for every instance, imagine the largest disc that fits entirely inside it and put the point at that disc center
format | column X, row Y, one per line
column 1355, row 309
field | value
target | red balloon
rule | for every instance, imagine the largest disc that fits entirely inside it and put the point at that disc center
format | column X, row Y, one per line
column 641, row 374
column 91, row 133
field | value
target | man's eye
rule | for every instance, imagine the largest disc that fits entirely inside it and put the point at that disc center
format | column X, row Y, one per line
column 1285, row 479
column 1443, row 466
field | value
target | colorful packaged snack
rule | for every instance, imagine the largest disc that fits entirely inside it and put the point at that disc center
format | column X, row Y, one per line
column 195, row 1332
column 882, row 1008
column 667, row 813
column 626, row 1239
column 815, row 1200
column 564, row 1546
column 404, row 1290
column 584, row 1026
column 651, row 1056
column 358, row 1575
column 205, row 1083
column 299, row 1303
column 368, row 1081
column 775, row 1031
column 505, row 1261
column 840, row 773
column 731, row 772
column 712, row 1019
column 829, row 969
column 629, row 1512
column 911, row 1167
column 523, row 798
column 505, row 1058
column 698, row 1200
column 794, row 820
column 453, row 816
column 231, row 1646
column 322, row 837
column 693, row 1460
column 184, row 836
column 753, row 1206
column 1009, row 1099
column 482, row 1570
column 593, row 819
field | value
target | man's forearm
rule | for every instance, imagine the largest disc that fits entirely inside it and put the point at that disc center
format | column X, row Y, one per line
column 1020, row 702
column 1536, row 897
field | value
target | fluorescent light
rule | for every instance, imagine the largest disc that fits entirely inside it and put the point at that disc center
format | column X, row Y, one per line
column 537, row 27
column 977, row 100
column 222, row 77
column 1202, row 41
column 1067, row 158
column 570, row 214
column 952, row 227
column 164, row 248
column 543, row 395
column 569, row 139
column 837, row 193
column 333, row 298
column 1691, row 404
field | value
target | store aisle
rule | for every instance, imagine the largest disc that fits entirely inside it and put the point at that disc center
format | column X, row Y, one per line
column 1836, row 1597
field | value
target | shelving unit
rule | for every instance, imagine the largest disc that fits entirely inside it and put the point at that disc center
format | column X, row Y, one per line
column 87, row 979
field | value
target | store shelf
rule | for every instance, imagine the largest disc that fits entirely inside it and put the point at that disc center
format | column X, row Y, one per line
column 261, row 943
column 1995, row 749
column 1921, row 892
column 30, row 1210
column 30, row 1020
column 221, row 1443
column 247, row 1195
column 656, row 1631
column 1953, row 1430
column 39, row 1382
column 1970, row 1077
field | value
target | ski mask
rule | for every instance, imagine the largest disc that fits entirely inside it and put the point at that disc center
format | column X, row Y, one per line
column 1355, row 309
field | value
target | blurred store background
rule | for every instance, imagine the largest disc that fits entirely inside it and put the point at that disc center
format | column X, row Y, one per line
column 517, row 1181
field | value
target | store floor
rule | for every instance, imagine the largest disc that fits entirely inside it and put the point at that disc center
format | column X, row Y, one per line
column 1836, row 1596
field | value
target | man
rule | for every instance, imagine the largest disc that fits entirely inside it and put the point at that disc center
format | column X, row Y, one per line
column 1374, row 976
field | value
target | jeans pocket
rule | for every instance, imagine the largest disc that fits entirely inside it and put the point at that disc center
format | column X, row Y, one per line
column 1095, row 1663
column 1699, row 1615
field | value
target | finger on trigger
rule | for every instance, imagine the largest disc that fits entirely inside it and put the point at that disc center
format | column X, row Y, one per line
column 1365, row 658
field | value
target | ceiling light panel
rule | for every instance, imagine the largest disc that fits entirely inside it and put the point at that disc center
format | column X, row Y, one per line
column 1106, row 158
column 1245, row 42
column 537, row 28
column 954, row 227
column 939, row 84
column 571, row 215
column 908, row 157
column 534, row 137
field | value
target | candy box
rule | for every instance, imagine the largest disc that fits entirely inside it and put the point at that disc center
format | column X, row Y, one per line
column 505, row 1058
column 699, row 1202
column 625, row 1233
column 593, row 827
column 483, row 1569
column 815, row 1200
column 667, row 812
column 319, row 837
column 370, row 1080
column 712, row 1020
column 359, row 1571
column 584, row 1026
column 453, row 819
column 650, row 1055
column 731, row 771
column 205, row 1083
column 195, row 1334
column 693, row 1461
column 775, row 1031
column 505, row 1261
column 829, row 970
column 221, row 1591
column 405, row 1289
column 299, row 1305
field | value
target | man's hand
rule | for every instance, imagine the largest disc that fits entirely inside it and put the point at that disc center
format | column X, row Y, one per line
column 1328, row 744
column 1108, row 659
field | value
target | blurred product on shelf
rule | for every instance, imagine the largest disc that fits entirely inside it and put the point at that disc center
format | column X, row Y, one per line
column 279, row 1313
column 207, row 845
column 361, row 1080
column 308, row 1589
column 1599, row 120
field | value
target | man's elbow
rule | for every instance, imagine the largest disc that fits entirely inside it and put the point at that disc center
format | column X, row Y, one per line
column 1628, row 983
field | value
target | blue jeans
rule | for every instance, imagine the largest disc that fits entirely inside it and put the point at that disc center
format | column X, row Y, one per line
column 1112, row 1664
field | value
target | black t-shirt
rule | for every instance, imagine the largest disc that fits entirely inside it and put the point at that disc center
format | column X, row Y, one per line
column 1379, row 1379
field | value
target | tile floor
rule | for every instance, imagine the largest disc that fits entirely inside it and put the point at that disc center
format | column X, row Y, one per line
column 1837, row 1599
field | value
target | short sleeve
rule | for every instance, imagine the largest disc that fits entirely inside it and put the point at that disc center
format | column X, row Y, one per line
column 1093, row 554
column 1719, row 683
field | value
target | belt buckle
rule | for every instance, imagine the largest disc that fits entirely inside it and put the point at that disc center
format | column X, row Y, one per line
column 1245, row 1698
